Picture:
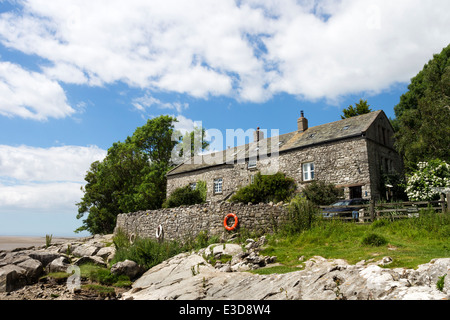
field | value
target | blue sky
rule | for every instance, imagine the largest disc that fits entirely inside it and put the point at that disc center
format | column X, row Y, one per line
column 77, row 76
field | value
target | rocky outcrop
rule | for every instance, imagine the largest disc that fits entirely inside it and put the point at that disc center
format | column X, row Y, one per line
column 25, row 266
column 219, row 272
column 190, row 276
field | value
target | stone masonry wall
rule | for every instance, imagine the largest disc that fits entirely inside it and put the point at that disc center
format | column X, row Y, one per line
column 188, row 221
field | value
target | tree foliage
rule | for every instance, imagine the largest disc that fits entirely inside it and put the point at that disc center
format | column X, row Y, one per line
column 132, row 176
column 195, row 141
column 361, row 107
column 423, row 114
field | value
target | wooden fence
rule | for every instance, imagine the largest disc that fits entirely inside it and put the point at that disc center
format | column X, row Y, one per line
column 393, row 210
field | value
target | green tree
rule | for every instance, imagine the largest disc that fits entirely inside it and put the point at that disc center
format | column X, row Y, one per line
column 361, row 107
column 195, row 141
column 423, row 115
column 132, row 176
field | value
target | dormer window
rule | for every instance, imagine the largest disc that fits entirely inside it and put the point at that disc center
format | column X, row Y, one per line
column 346, row 127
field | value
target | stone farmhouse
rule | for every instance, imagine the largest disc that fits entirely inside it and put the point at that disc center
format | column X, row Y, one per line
column 351, row 153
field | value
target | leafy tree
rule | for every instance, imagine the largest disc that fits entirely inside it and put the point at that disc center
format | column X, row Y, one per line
column 361, row 107
column 266, row 188
column 132, row 176
column 194, row 141
column 423, row 115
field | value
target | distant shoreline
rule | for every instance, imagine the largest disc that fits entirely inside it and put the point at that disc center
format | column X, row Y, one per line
column 12, row 242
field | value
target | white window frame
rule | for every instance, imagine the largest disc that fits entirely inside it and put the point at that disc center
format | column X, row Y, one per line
column 218, row 185
column 251, row 163
column 193, row 185
column 308, row 171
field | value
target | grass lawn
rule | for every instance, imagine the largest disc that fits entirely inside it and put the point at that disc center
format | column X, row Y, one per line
column 410, row 241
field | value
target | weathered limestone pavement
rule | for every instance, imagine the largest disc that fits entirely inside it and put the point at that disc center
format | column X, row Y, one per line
column 188, row 276
column 220, row 272
column 25, row 266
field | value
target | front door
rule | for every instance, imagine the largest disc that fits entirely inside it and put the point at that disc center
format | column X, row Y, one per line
column 355, row 192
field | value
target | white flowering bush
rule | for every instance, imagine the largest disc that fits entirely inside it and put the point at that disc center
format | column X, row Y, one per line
column 422, row 184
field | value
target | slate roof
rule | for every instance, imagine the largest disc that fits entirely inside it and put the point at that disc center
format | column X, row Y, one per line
column 325, row 133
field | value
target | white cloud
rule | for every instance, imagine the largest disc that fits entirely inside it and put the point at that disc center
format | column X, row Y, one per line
column 147, row 101
column 44, row 178
column 30, row 95
column 41, row 197
column 249, row 50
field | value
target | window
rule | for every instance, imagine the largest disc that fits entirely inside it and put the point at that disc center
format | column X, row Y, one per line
column 218, row 185
column 251, row 164
column 193, row 185
column 252, row 179
column 308, row 171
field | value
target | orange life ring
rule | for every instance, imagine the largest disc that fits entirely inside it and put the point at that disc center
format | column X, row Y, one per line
column 225, row 224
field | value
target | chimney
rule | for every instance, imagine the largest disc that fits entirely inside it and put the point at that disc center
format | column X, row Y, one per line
column 302, row 123
column 258, row 135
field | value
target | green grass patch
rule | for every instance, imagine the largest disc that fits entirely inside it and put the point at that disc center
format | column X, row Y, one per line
column 103, row 291
column 409, row 241
column 149, row 252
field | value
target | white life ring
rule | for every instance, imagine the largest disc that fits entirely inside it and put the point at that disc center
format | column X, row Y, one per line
column 132, row 238
column 159, row 232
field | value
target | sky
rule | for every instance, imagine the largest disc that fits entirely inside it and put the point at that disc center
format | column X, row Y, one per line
column 78, row 75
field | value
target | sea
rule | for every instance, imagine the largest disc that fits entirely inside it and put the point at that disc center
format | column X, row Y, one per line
column 13, row 242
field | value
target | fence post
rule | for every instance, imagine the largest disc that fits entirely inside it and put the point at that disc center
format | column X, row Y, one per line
column 448, row 203
column 372, row 210
column 443, row 202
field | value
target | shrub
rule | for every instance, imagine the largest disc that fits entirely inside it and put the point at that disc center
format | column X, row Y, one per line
column 266, row 188
column 183, row 196
column 374, row 239
column 302, row 214
column 201, row 187
column 429, row 175
column 322, row 193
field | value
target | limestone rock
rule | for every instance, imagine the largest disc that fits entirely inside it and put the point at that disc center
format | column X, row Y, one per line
column 188, row 276
column 33, row 269
column 44, row 257
column 106, row 253
column 95, row 260
column 85, row 250
column 127, row 267
column 58, row 265
column 12, row 277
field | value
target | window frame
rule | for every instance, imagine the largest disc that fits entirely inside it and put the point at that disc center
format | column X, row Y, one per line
column 253, row 162
column 216, row 183
column 307, row 173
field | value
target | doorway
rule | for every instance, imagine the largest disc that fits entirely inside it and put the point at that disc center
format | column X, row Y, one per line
column 355, row 192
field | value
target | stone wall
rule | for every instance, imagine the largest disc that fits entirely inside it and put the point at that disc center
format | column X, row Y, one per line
column 188, row 221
